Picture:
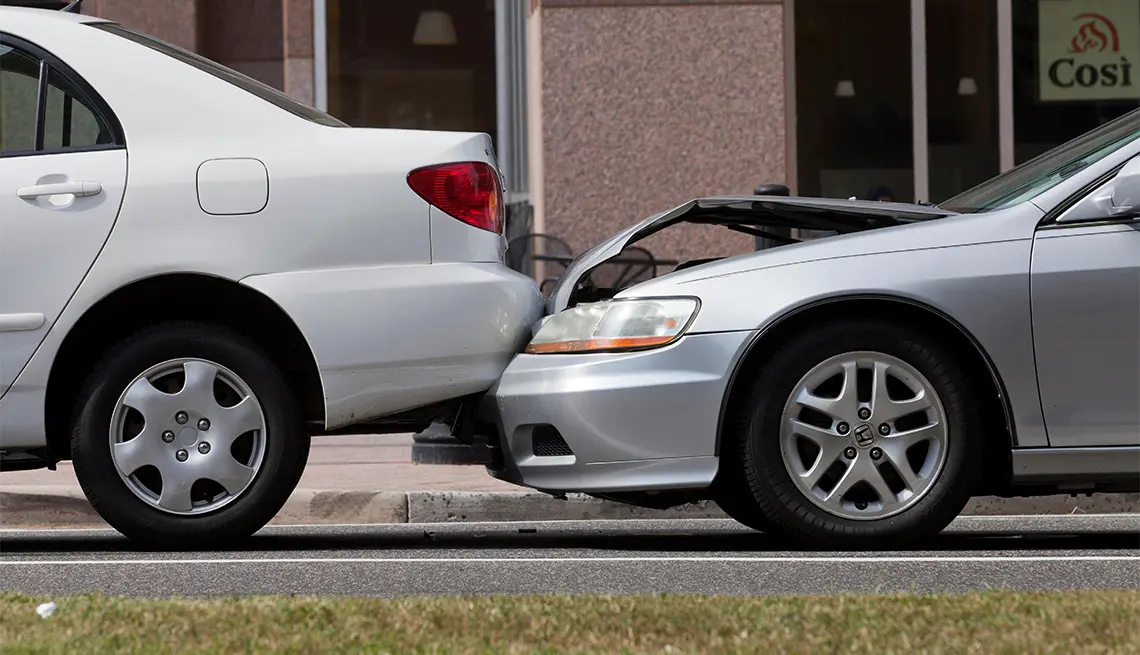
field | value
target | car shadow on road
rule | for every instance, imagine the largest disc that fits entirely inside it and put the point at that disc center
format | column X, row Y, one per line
column 404, row 538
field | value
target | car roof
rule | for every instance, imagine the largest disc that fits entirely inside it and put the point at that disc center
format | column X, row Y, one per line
column 30, row 17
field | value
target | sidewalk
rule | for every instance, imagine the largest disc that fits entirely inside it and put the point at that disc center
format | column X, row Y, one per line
column 356, row 463
column 371, row 479
column 350, row 479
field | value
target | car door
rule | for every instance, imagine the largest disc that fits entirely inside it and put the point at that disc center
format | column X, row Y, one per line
column 1085, row 289
column 63, row 168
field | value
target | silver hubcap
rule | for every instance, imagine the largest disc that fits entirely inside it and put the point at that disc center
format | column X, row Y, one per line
column 863, row 435
column 188, row 436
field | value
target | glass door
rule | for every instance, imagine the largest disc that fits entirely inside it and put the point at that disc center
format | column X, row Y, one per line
column 854, row 101
column 962, row 140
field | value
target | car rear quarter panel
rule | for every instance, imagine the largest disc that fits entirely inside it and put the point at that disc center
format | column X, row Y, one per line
column 453, row 240
column 392, row 338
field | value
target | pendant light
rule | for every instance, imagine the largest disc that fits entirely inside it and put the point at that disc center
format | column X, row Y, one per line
column 434, row 27
column 967, row 87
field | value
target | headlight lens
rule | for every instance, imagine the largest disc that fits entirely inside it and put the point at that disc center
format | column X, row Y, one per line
column 615, row 325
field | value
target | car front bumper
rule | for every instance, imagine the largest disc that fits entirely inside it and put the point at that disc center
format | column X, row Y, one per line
column 636, row 421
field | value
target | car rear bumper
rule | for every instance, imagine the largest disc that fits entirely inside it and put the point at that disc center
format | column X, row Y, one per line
column 608, row 423
column 393, row 338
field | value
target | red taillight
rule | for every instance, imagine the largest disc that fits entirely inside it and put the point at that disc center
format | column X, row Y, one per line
column 468, row 191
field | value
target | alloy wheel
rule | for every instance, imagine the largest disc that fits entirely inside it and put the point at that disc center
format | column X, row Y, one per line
column 863, row 435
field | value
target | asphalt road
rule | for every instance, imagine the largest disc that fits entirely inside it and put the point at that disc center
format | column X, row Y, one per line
column 619, row 557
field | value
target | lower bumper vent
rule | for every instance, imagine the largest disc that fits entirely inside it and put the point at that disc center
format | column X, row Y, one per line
column 547, row 442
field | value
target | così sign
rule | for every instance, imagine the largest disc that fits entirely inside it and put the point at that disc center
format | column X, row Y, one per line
column 1089, row 49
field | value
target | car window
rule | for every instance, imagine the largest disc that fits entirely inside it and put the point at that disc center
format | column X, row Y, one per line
column 1046, row 171
column 19, row 94
column 246, row 83
column 68, row 121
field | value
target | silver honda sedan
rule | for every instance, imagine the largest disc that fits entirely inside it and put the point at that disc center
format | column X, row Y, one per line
column 856, row 389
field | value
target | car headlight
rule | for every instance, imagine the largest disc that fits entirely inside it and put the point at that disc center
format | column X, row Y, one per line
column 615, row 325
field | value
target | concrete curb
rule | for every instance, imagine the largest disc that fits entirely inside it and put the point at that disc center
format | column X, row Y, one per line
column 66, row 507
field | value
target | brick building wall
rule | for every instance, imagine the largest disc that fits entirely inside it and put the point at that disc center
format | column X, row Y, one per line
column 649, row 103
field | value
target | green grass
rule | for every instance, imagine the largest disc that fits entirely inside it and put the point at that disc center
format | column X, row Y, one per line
column 995, row 622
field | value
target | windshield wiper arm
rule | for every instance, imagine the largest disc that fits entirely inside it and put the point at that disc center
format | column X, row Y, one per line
column 1066, row 171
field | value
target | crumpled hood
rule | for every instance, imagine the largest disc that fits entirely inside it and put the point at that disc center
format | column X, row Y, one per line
column 746, row 213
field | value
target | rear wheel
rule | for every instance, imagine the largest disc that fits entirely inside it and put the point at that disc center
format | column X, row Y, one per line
column 188, row 436
column 860, row 434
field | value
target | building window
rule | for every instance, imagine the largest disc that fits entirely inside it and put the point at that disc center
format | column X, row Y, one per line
column 853, row 98
column 962, row 95
column 1076, row 67
column 415, row 64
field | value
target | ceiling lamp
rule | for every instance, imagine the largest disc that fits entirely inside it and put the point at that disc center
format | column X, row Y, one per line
column 435, row 28
column 845, row 89
column 967, row 87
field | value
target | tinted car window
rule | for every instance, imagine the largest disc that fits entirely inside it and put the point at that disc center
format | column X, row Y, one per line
column 68, row 121
column 263, row 91
column 19, row 93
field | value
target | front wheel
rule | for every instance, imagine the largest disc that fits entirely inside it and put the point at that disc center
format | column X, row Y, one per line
column 188, row 436
column 860, row 434
column 743, row 511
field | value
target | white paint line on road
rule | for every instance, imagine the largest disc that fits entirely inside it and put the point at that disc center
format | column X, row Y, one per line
column 1049, row 517
column 918, row 559
column 958, row 522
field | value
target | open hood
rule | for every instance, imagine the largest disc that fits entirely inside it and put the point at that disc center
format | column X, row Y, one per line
column 750, row 215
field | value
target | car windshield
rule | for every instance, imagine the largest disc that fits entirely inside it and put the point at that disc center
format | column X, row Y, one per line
column 244, row 82
column 1045, row 171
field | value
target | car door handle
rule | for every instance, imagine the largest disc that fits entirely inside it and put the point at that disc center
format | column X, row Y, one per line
column 78, row 189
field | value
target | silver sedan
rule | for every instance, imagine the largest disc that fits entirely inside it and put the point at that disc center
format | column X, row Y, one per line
column 858, row 388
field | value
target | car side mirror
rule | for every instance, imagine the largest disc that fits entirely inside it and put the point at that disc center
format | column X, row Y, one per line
column 1118, row 199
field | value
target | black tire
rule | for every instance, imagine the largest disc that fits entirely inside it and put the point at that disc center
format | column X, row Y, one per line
column 743, row 511
column 754, row 452
column 285, row 456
